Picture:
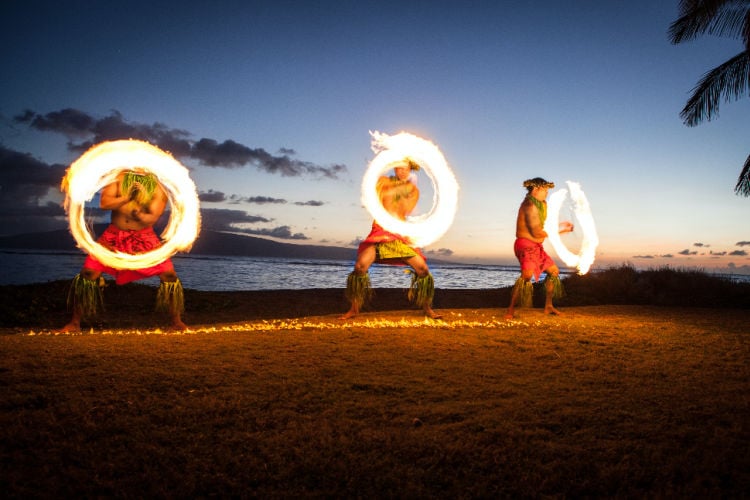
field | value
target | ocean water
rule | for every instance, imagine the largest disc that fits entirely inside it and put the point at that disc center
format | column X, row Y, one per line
column 212, row 273
column 219, row 273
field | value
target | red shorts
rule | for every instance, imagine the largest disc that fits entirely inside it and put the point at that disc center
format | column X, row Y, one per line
column 379, row 235
column 532, row 256
column 132, row 242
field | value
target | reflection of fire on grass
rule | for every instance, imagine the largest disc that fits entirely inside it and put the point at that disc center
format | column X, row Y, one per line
column 301, row 324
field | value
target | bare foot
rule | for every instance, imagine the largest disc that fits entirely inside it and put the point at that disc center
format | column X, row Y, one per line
column 432, row 314
column 70, row 327
column 509, row 315
column 179, row 325
column 552, row 310
column 349, row 314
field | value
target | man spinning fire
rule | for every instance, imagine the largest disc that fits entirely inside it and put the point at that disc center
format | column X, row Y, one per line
column 399, row 196
column 136, row 200
column 530, row 236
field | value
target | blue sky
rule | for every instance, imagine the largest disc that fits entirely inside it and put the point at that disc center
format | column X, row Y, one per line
column 281, row 96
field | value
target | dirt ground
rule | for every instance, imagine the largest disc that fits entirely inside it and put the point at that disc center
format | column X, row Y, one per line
column 271, row 395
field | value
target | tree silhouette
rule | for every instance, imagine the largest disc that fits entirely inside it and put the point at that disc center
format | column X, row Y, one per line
column 726, row 82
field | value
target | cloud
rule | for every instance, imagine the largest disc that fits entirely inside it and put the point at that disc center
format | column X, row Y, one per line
column 687, row 252
column 84, row 130
column 440, row 252
column 211, row 196
column 742, row 243
column 30, row 197
column 738, row 253
column 265, row 200
column 643, row 256
column 70, row 122
column 31, row 201
column 718, row 254
column 260, row 200
column 219, row 219
column 701, row 245
column 281, row 232
column 22, row 174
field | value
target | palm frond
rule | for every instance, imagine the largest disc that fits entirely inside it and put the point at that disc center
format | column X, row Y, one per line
column 698, row 17
column 730, row 80
column 730, row 22
column 743, row 181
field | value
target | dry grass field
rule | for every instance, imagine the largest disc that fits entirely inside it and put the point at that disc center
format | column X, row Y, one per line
column 270, row 395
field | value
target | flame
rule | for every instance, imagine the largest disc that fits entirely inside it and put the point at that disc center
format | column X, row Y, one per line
column 585, row 257
column 312, row 324
column 426, row 228
column 100, row 166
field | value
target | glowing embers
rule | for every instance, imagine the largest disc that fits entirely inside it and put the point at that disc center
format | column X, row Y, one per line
column 392, row 149
column 99, row 166
column 455, row 322
column 585, row 257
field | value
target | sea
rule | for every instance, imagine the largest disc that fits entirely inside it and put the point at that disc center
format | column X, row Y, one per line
column 221, row 273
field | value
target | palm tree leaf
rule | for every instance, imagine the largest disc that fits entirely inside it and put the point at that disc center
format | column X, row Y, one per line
column 725, row 82
column 730, row 80
column 715, row 17
column 743, row 181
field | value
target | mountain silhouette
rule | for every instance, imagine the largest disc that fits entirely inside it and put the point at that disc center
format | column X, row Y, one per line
column 208, row 243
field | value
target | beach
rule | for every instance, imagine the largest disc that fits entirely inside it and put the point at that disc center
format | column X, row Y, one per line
column 271, row 395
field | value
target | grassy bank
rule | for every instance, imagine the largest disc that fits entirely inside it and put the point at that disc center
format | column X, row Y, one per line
column 646, row 400
column 624, row 401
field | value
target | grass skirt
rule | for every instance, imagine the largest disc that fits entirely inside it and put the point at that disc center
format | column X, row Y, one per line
column 86, row 296
column 524, row 290
column 358, row 289
column 422, row 290
column 170, row 297
column 558, row 290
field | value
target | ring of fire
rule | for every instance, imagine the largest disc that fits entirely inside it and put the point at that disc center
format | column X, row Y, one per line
column 585, row 257
column 423, row 229
column 100, row 166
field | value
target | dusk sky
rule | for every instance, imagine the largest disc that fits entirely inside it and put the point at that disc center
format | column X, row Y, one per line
column 270, row 104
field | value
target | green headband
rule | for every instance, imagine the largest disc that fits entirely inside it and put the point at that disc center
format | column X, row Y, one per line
column 537, row 182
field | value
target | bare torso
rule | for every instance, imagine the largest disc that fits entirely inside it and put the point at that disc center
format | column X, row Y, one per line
column 127, row 214
column 529, row 223
column 399, row 197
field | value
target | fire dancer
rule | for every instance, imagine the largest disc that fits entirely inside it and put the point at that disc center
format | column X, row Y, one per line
column 399, row 196
column 530, row 236
column 136, row 200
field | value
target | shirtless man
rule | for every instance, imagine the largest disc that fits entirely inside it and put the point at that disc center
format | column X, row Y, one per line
column 530, row 235
column 137, row 201
column 399, row 196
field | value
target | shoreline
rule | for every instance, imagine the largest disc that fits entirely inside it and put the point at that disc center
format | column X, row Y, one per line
column 44, row 305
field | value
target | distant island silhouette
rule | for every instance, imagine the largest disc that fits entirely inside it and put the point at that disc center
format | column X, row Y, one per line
column 208, row 243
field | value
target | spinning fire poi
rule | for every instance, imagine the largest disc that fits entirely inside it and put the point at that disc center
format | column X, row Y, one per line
column 396, row 234
column 586, row 254
column 137, row 181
